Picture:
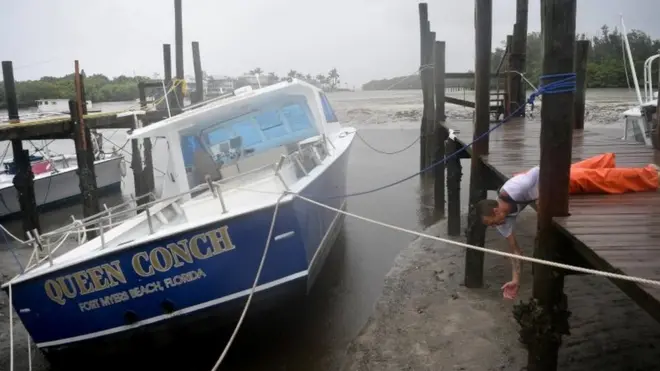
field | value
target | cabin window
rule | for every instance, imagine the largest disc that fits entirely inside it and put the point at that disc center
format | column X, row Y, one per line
column 327, row 109
column 263, row 129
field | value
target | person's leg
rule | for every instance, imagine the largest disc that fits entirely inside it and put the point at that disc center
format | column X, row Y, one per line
column 614, row 180
column 604, row 161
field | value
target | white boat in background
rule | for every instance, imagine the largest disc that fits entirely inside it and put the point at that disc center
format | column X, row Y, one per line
column 640, row 121
column 58, row 106
column 56, row 180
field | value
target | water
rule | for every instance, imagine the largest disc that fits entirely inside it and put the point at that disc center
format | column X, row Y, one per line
column 318, row 331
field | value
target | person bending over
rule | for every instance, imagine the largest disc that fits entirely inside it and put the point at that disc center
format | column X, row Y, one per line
column 597, row 174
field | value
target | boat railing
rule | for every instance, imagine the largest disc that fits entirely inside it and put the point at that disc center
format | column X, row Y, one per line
column 45, row 245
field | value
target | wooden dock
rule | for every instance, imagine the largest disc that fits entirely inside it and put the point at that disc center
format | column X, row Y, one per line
column 614, row 233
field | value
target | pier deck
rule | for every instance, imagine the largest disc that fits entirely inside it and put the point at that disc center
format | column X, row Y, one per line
column 615, row 233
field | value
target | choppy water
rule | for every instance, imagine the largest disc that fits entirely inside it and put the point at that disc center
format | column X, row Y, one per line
column 351, row 281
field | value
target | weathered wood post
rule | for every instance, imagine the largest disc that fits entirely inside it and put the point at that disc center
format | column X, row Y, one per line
column 199, row 78
column 429, row 107
column 167, row 78
column 547, row 315
column 656, row 135
column 24, row 179
column 454, row 176
column 84, row 153
column 178, row 43
column 148, row 170
column 441, row 133
column 476, row 231
column 518, row 56
column 581, row 57
column 509, row 76
column 423, row 34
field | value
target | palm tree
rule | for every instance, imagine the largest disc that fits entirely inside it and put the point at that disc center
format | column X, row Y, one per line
column 321, row 79
column 333, row 78
column 272, row 78
column 292, row 73
column 256, row 71
column 308, row 77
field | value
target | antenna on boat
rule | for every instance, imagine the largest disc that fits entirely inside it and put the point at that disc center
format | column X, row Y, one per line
column 632, row 63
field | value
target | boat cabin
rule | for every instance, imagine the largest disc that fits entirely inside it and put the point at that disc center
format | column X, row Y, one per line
column 243, row 133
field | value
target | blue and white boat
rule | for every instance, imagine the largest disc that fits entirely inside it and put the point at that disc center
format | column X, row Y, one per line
column 192, row 254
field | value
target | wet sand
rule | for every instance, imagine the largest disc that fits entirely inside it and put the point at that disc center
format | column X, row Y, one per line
column 427, row 320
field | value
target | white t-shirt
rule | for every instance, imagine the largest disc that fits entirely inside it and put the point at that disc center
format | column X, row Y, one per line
column 521, row 188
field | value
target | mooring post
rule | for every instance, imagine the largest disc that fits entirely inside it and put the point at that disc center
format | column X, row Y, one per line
column 84, row 151
column 476, row 231
column 429, row 107
column 178, row 43
column 581, row 57
column 24, row 179
column 519, row 49
column 148, row 170
column 454, row 176
column 423, row 34
column 167, row 75
column 441, row 132
column 655, row 139
column 545, row 319
column 508, row 77
column 199, row 78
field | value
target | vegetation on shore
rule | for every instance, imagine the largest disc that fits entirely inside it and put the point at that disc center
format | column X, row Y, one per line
column 605, row 68
column 100, row 88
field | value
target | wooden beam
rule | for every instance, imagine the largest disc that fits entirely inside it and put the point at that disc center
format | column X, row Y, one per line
column 476, row 233
column 441, row 133
column 178, row 44
column 24, row 179
column 454, row 176
column 199, row 79
column 549, row 318
column 581, row 57
column 519, row 53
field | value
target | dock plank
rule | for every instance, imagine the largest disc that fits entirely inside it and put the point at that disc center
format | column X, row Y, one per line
column 614, row 233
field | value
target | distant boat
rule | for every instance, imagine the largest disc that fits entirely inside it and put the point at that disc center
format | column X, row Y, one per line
column 56, row 180
column 59, row 106
column 639, row 121
column 187, row 262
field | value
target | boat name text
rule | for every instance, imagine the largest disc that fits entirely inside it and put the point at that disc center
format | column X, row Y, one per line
column 144, row 264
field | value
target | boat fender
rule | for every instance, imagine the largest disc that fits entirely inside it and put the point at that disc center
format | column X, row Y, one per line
column 122, row 168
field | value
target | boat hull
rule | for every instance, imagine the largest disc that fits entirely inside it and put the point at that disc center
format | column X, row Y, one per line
column 158, row 288
column 63, row 187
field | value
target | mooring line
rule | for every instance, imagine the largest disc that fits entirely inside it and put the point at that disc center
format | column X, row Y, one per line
column 357, row 133
column 550, row 263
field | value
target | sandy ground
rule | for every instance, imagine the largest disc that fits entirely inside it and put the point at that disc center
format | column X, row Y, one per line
column 427, row 320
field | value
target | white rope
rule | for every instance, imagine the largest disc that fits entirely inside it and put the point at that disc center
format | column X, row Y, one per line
column 495, row 252
column 254, row 285
column 11, row 329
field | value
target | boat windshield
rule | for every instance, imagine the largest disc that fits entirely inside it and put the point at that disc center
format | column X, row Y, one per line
column 246, row 138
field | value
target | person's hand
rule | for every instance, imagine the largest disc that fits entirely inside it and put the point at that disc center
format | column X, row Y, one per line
column 510, row 290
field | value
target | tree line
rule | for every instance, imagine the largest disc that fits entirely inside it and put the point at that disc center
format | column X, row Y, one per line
column 100, row 88
column 605, row 67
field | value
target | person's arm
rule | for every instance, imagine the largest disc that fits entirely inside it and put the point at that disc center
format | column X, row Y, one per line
column 515, row 263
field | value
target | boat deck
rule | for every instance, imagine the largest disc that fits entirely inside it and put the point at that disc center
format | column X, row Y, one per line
column 615, row 233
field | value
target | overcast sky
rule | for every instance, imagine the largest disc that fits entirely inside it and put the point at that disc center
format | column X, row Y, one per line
column 363, row 39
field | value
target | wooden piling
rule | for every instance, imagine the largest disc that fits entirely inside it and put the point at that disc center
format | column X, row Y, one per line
column 199, row 78
column 476, row 231
column 581, row 57
column 509, row 102
column 147, row 176
column 441, row 132
column 178, row 44
column 549, row 317
column 429, row 107
column 24, row 179
column 84, row 152
column 454, row 176
column 423, row 34
column 518, row 55
column 656, row 136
